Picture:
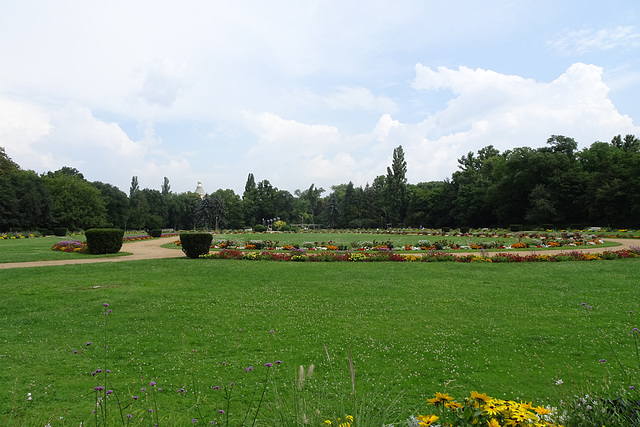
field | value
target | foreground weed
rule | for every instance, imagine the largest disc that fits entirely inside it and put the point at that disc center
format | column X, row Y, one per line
column 599, row 408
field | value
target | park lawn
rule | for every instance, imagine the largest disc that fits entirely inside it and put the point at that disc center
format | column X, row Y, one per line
column 510, row 330
column 39, row 249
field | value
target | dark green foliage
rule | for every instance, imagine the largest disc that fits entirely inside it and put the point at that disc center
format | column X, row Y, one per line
column 104, row 240
column 156, row 232
column 515, row 227
column 259, row 228
column 464, row 229
column 60, row 231
column 195, row 244
column 46, row 232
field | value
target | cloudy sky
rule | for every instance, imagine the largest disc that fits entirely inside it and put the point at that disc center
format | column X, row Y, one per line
column 300, row 92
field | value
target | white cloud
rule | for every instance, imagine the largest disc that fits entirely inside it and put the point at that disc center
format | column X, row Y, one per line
column 589, row 40
column 509, row 111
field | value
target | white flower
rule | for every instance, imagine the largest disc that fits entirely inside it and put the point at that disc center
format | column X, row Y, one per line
column 559, row 382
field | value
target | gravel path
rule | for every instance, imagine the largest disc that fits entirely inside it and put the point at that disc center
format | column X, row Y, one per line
column 151, row 249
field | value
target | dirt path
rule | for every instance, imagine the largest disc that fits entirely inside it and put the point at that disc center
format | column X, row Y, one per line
column 144, row 249
column 151, row 249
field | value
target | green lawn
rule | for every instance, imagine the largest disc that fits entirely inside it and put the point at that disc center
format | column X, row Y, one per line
column 510, row 330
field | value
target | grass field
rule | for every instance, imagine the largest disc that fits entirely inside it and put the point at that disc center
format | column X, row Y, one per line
column 510, row 330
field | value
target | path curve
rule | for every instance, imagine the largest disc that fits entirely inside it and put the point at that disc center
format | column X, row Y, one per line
column 152, row 249
column 140, row 250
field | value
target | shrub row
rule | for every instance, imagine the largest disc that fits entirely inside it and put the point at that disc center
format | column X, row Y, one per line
column 104, row 240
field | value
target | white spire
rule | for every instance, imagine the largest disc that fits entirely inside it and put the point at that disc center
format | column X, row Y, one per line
column 200, row 190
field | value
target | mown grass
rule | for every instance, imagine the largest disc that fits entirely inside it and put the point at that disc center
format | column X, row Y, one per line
column 510, row 330
column 39, row 249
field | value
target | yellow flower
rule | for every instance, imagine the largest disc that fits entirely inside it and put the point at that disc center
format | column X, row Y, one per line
column 327, row 422
column 453, row 405
column 440, row 397
column 493, row 423
column 542, row 411
column 349, row 418
column 427, row 420
column 480, row 397
column 492, row 407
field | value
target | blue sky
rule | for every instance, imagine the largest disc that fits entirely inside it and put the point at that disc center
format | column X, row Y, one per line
column 302, row 92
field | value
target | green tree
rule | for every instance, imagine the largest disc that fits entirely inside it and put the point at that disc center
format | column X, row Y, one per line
column 116, row 204
column 166, row 187
column 6, row 164
column 250, row 202
column 135, row 187
column 396, row 187
column 25, row 201
column 210, row 212
column 333, row 210
column 77, row 204
column 234, row 215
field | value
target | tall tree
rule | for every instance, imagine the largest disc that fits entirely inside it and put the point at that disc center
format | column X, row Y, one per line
column 166, row 188
column 134, row 186
column 396, row 187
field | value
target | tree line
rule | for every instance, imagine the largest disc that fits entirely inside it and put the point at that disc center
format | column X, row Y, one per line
column 553, row 186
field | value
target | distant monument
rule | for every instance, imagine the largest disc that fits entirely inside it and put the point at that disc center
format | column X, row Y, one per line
column 200, row 191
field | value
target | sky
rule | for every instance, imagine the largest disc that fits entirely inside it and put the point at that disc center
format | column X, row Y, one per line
column 306, row 92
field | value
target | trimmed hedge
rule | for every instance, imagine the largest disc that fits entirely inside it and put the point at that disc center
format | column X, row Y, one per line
column 259, row 228
column 60, row 231
column 104, row 240
column 156, row 232
column 195, row 244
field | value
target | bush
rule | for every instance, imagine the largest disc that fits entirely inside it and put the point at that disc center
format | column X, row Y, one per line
column 285, row 228
column 45, row 232
column 195, row 244
column 60, row 231
column 464, row 230
column 104, row 240
column 515, row 227
column 156, row 232
column 259, row 228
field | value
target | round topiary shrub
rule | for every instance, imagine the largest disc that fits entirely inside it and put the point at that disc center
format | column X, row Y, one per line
column 104, row 240
column 259, row 228
column 195, row 244
column 156, row 232
column 60, row 231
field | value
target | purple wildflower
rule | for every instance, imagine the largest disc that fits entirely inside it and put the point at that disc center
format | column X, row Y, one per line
column 75, row 351
column 268, row 364
column 152, row 383
column 135, row 397
column 277, row 362
column 129, row 416
column 89, row 343
column 216, row 387
column 193, row 421
column 221, row 411
column 105, row 305
column 603, row 360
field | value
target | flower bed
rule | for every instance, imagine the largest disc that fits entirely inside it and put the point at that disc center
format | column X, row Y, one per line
column 70, row 246
column 302, row 255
